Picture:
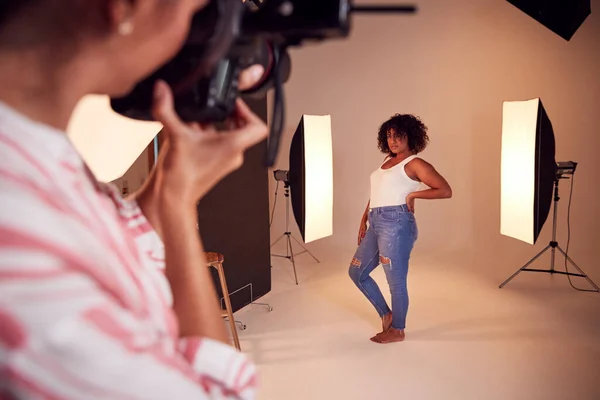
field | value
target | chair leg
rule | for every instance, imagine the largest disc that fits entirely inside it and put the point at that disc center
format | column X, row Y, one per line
column 228, row 307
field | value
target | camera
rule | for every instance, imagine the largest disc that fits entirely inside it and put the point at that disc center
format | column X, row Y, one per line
column 228, row 36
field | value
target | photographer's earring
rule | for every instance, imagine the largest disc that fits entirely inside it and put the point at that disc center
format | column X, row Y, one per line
column 126, row 28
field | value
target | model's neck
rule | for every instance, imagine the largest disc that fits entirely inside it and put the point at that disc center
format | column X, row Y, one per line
column 404, row 154
column 37, row 87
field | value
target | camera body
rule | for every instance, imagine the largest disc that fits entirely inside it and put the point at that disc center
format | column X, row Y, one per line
column 226, row 37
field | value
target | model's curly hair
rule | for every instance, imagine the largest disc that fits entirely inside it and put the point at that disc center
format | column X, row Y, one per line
column 405, row 125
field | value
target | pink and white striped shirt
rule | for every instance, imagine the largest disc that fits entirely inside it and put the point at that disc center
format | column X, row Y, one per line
column 85, row 310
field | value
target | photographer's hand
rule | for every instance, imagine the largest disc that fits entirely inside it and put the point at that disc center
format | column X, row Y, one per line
column 146, row 196
column 197, row 157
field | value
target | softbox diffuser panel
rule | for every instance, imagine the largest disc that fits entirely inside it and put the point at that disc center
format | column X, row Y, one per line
column 108, row 142
column 311, row 177
column 528, row 169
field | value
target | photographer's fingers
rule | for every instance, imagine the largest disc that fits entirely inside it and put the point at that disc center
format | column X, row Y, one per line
column 244, row 113
column 252, row 130
column 251, row 76
column 163, row 109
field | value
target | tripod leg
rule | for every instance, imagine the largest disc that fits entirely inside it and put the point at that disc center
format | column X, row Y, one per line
column 578, row 269
column 277, row 241
column 292, row 258
column 278, row 255
column 306, row 250
column 524, row 266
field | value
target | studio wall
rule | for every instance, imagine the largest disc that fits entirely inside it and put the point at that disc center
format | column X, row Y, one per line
column 453, row 64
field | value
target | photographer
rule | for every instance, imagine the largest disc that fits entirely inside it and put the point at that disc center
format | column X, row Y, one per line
column 86, row 309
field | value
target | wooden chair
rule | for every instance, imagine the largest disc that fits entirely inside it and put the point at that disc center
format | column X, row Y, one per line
column 215, row 260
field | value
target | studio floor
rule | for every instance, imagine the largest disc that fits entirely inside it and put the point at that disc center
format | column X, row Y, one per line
column 537, row 338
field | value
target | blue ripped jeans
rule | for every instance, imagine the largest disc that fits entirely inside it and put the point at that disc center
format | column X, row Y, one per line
column 388, row 241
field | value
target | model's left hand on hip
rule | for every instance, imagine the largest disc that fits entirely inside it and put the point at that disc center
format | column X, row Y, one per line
column 410, row 202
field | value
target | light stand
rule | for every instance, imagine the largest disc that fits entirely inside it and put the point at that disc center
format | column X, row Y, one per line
column 287, row 234
column 553, row 245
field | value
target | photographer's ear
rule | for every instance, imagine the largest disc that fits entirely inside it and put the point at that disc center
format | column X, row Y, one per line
column 121, row 16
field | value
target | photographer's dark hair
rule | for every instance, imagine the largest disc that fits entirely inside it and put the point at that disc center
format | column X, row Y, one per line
column 405, row 125
column 9, row 7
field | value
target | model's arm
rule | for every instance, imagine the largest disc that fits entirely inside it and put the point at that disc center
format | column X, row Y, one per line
column 362, row 230
column 426, row 173
column 365, row 216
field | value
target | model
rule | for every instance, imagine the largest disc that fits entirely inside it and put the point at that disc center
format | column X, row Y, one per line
column 388, row 229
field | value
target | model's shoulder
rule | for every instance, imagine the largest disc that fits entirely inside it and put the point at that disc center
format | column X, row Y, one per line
column 419, row 162
column 417, row 159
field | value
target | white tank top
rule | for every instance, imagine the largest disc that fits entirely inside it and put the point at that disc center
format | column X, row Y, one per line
column 389, row 187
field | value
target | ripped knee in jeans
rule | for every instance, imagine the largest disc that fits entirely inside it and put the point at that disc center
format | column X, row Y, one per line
column 385, row 262
column 355, row 262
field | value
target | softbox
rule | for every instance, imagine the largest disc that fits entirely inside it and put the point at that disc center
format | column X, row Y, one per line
column 108, row 142
column 528, row 169
column 562, row 17
column 311, row 177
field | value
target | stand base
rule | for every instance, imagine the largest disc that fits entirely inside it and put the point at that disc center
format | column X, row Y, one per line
column 252, row 303
column 290, row 251
column 553, row 271
column 552, row 246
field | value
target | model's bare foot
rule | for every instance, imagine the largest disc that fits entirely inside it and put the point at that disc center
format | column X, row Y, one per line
column 386, row 322
column 390, row 336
